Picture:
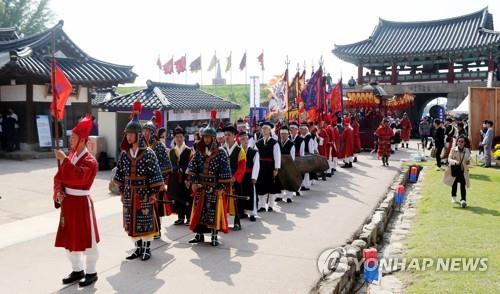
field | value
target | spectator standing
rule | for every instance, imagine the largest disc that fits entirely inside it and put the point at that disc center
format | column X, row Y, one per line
column 458, row 171
column 438, row 141
column 424, row 130
column 487, row 142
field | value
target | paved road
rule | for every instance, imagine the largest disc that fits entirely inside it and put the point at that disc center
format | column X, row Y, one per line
column 276, row 254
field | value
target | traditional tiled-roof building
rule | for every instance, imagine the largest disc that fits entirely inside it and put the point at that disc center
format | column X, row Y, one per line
column 462, row 48
column 25, row 75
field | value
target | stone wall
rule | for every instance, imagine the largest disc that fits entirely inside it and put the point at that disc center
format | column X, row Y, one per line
column 342, row 278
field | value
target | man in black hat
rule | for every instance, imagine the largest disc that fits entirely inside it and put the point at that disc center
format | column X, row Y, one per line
column 139, row 178
column 298, row 141
column 308, row 149
column 237, row 163
column 210, row 176
column 270, row 164
column 250, row 177
column 287, row 147
column 180, row 155
column 161, row 152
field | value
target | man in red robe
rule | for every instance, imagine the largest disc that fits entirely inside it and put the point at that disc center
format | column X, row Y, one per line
column 77, row 231
column 348, row 143
column 405, row 130
column 357, row 138
column 334, row 144
column 324, row 145
column 384, row 134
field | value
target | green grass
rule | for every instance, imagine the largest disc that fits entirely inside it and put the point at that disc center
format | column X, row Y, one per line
column 238, row 94
column 126, row 90
column 442, row 229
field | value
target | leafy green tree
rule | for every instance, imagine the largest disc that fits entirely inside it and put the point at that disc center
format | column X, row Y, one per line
column 27, row 16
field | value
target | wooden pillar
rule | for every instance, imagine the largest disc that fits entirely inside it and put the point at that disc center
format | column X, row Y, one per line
column 451, row 72
column 394, row 74
column 491, row 63
column 29, row 125
column 360, row 75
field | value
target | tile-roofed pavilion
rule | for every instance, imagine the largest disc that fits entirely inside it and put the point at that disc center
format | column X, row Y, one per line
column 437, row 50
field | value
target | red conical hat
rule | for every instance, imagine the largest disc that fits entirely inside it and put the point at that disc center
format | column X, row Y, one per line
column 84, row 127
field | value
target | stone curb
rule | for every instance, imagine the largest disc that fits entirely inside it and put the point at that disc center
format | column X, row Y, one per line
column 343, row 277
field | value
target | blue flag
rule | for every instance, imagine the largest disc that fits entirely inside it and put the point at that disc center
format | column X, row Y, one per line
column 311, row 93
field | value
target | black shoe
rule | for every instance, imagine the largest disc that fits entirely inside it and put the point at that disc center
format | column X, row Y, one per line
column 146, row 253
column 270, row 209
column 346, row 165
column 244, row 215
column 157, row 237
column 237, row 227
column 407, row 146
column 73, row 277
column 334, row 169
column 289, row 200
column 323, row 178
column 297, row 193
column 88, row 280
column 350, row 164
column 214, row 242
column 328, row 175
column 137, row 252
column 179, row 222
column 279, row 199
column 304, row 189
column 199, row 238
column 355, row 159
column 252, row 218
column 262, row 209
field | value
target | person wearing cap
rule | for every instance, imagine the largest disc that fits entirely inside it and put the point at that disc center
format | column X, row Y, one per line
column 357, row 139
column 287, row 147
column 308, row 149
column 384, row 134
column 406, row 127
column 250, row 177
column 324, row 145
column 339, row 132
column 348, row 143
column 334, row 137
column 298, row 142
column 219, row 136
column 77, row 231
column 270, row 164
column 209, row 176
column 139, row 178
column 161, row 152
column 237, row 163
column 180, row 156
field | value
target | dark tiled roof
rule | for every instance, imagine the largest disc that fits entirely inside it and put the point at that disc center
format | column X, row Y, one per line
column 392, row 39
column 30, row 56
column 102, row 94
column 171, row 96
column 7, row 34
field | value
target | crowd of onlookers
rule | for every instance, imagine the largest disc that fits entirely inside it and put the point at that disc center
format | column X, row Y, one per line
column 9, row 131
column 449, row 143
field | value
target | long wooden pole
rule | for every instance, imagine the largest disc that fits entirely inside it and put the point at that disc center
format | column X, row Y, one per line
column 54, row 105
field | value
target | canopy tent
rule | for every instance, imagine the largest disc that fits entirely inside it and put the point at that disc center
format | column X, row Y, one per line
column 463, row 107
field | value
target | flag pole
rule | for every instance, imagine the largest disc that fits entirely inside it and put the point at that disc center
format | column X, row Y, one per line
column 287, row 62
column 185, row 69
column 57, row 204
column 231, row 72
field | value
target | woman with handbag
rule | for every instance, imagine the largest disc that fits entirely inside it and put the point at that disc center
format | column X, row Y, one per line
column 458, row 171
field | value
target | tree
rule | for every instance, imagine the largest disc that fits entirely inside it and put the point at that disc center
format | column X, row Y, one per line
column 27, row 16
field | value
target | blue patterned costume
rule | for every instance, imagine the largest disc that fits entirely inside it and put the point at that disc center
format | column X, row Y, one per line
column 214, row 174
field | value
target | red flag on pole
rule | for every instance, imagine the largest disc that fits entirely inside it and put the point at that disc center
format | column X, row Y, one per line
column 168, row 67
column 62, row 89
column 335, row 97
column 180, row 65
